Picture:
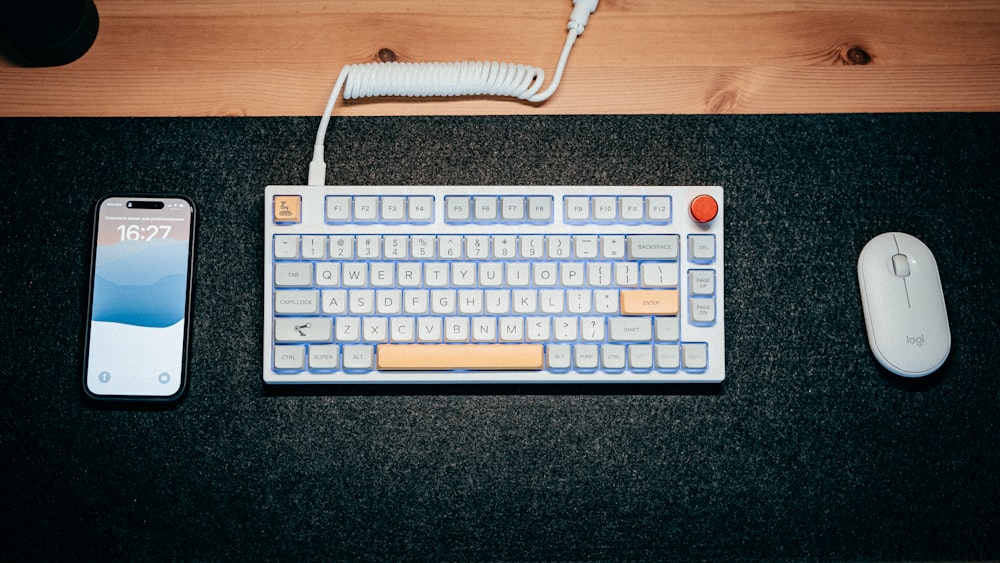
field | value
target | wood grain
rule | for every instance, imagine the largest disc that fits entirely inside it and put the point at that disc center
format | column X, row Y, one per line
column 232, row 57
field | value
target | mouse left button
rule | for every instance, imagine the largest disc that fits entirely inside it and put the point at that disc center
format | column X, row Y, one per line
column 901, row 265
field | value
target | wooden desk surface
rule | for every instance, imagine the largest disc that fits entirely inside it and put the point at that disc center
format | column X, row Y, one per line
column 257, row 57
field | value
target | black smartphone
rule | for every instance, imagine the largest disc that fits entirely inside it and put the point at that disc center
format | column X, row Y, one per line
column 138, row 320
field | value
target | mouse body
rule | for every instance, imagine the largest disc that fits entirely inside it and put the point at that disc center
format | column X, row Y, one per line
column 903, row 305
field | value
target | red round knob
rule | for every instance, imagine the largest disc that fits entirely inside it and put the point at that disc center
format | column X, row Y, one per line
column 704, row 208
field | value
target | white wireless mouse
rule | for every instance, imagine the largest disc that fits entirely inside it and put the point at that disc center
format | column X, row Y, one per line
column 903, row 305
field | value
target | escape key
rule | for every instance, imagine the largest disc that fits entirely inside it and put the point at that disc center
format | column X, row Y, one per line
column 287, row 209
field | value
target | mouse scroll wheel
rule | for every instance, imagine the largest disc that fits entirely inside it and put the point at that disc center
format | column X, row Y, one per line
column 900, row 265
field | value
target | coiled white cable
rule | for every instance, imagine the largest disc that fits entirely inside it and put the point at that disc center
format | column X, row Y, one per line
column 470, row 78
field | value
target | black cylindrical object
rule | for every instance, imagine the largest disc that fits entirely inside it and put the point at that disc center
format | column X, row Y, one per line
column 49, row 32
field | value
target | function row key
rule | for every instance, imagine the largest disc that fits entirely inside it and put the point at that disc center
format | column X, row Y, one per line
column 617, row 209
column 379, row 209
column 498, row 209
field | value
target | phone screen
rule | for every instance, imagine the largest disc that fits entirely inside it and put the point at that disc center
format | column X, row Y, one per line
column 140, row 295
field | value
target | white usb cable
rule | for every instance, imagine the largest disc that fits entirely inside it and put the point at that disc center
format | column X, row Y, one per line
column 445, row 79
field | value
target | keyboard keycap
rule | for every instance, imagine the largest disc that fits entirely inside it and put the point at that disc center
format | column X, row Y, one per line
column 649, row 302
column 460, row 356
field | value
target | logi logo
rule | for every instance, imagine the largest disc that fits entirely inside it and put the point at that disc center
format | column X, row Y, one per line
column 917, row 341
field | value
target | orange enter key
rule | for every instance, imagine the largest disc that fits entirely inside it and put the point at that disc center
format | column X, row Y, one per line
column 659, row 302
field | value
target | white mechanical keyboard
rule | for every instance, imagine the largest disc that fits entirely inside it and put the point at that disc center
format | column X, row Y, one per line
column 493, row 284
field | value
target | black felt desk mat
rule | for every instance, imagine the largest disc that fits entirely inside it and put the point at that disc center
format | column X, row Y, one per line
column 808, row 450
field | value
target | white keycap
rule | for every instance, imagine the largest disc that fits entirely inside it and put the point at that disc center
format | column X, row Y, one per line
column 576, row 208
column 293, row 274
column 395, row 246
column 393, row 208
column 540, row 209
column 456, row 209
column 701, row 282
column 334, row 301
column 401, row 329
column 296, row 302
column 512, row 208
column 456, row 329
column 443, row 301
column 470, row 301
column 328, row 274
column 359, row 357
column 361, row 301
column 450, row 247
column 537, row 329
column 565, row 328
column 409, row 274
column 497, row 301
column 702, row 310
column 490, row 274
column 578, row 301
column 382, row 274
column 668, row 329
column 613, row 357
column 388, row 301
column 504, row 247
column 612, row 246
column 338, row 209
column 368, row 247
column 525, row 301
column 605, row 208
column 313, row 247
column 347, row 329
column 341, row 247
column 303, row 329
column 658, row 209
column 422, row 246
column 289, row 357
column 374, row 329
column 324, row 357
column 286, row 247
column 436, row 274
column 532, row 246
column 429, row 329
column 559, row 356
column 640, row 356
column 701, row 248
column 510, row 329
column 668, row 356
column 477, row 247
column 544, row 273
column 630, row 329
column 484, row 329
column 552, row 301
column 558, row 247
column 485, row 209
column 653, row 247
column 658, row 274
column 585, row 246
column 354, row 274
column 463, row 274
column 585, row 356
column 630, row 209
column 592, row 328
column 695, row 356
column 420, row 208
column 518, row 274
column 415, row 301
column 365, row 208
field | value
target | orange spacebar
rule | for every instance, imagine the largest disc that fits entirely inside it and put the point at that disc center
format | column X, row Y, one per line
column 459, row 356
